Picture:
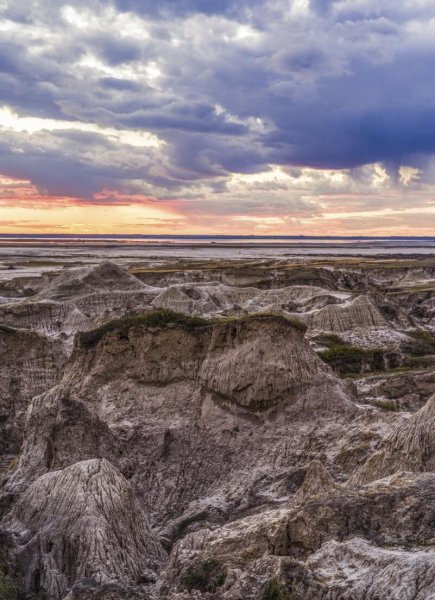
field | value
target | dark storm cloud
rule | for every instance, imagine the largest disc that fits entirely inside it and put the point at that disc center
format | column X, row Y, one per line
column 114, row 83
column 116, row 52
column 232, row 8
column 228, row 87
column 321, row 7
column 190, row 117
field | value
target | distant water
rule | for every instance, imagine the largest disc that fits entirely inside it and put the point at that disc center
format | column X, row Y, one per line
column 292, row 240
column 32, row 254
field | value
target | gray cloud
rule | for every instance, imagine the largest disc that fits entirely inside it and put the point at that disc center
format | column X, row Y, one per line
column 229, row 87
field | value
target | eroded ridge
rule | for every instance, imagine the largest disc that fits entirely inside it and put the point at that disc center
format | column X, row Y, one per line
column 256, row 431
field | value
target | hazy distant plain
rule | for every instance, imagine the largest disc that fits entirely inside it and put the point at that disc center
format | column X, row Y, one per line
column 31, row 255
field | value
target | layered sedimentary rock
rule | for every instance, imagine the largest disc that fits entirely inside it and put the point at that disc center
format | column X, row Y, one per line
column 359, row 312
column 411, row 447
column 183, row 409
column 79, row 299
column 336, row 543
column 30, row 364
column 80, row 525
column 358, row 569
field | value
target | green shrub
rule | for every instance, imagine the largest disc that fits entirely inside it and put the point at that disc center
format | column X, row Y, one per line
column 388, row 405
column 347, row 359
column 205, row 577
column 292, row 321
column 7, row 588
column 274, row 590
column 422, row 343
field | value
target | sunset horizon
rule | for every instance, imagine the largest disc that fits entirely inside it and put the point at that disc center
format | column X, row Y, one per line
column 255, row 117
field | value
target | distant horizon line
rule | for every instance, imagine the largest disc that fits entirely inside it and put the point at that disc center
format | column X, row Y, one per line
column 210, row 236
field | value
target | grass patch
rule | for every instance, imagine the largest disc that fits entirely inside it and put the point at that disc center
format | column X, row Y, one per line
column 422, row 343
column 415, row 289
column 205, row 577
column 394, row 371
column 14, row 462
column 387, row 405
column 40, row 263
column 292, row 321
column 154, row 318
column 347, row 359
column 164, row 317
column 274, row 590
column 419, row 362
column 7, row 588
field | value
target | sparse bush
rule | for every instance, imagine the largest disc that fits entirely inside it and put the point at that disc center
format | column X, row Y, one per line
column 347, row 359
column 388, row 405
column 205, row 577
column 14, row 462
column 422, row 343
column 274, row 590
column 7, row 588
column 292, row 321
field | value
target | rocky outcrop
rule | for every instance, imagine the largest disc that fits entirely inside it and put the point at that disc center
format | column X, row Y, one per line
column 216, row 298
column 30, row 364
column 318, row 482
column 357, row 569
column 207, row 298
column 406, row 390
column 373, row 512
column 411, row 447
column 46, row 316
column 79, row 299
column 359, row 312
column 81, row 281
column 328, row 546
column 81, row 527
column 184, row 411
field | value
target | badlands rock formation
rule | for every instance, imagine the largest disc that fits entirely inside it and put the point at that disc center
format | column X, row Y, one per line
column 30, row 364
column 193, row 433
column 81, row 525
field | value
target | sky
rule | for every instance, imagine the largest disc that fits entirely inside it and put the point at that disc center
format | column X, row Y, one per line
column 265, row 117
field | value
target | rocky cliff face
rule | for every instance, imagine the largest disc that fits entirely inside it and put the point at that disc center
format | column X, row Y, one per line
column 30, row 364
column 210, row 452
column 81, row 525
column 182, row 409
column 411, row 447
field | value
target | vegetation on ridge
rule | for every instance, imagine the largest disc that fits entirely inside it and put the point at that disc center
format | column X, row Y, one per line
column 154, row 318
column 422, row 343
column 346, row 359
column 164, row 317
